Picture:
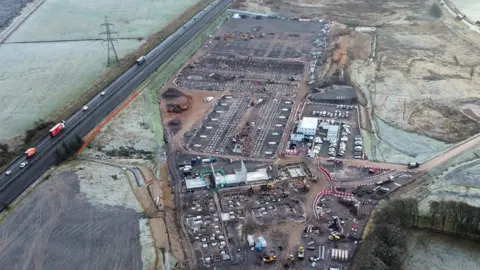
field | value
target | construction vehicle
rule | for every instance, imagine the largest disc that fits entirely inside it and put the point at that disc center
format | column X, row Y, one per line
column 179, row 108
column 270, row 259
column 54, row 131
column 301, row 253
column 30, row 152
column 413, row 165
column 266, row 186
column 289, row 261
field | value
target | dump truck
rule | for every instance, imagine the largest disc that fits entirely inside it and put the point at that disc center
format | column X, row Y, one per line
column 413, row 165
column 270, row 259
column 55, row 130
column 301, row 253
column 30, row 152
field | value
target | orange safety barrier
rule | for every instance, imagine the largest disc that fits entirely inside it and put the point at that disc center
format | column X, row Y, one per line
column 106, row 121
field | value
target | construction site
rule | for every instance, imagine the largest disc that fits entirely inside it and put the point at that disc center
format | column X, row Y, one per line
column 277, row 145
column 237, row 107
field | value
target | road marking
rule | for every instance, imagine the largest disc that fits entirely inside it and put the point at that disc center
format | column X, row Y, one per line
column 397, row 184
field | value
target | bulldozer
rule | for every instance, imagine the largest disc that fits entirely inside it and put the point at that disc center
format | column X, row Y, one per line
column 270, row 259
column 267, row 186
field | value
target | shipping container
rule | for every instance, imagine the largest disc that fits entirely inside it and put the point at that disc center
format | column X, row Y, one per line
column 250, row 240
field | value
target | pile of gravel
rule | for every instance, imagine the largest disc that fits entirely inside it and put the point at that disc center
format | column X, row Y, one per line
column 172, row 93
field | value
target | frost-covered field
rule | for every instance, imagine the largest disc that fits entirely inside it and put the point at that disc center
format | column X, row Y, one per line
column 471, row 8
column 399, row 146
column 81, row 19
column 430, row 251
column 38, row 79
column 455, row 180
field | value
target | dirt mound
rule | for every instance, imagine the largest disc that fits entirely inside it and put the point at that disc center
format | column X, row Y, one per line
column 174, row 125
column 172, row 93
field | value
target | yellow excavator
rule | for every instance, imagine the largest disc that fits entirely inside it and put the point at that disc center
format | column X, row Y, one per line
column 270, row 259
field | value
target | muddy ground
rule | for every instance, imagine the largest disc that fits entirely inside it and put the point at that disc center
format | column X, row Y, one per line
column 419, row 75
column 71, row 220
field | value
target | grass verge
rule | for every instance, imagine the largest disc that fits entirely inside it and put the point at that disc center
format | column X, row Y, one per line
column 125, row 63
column 174, row 63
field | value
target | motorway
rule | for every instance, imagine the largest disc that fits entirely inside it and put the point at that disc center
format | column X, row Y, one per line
column 82, row 122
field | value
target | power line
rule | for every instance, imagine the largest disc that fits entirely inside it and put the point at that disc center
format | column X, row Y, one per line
column 112, row 57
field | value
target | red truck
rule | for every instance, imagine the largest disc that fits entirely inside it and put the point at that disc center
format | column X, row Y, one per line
column 54, row 131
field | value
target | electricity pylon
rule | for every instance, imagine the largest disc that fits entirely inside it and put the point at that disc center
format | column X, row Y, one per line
column 112, row 57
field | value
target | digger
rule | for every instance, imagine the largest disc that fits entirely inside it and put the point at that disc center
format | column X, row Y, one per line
column 270, row 259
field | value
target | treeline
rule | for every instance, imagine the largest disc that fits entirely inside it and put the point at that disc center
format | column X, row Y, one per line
column 68, row 148
column 385, row 246
column 454, row 217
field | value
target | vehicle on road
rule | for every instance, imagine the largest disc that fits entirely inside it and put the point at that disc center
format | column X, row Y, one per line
column 85, row 108
column 8, row 172
column 23, row 164
column 103, row 93
column 140, row 61
column 31, row 152
column 54, row 131
column 413, row 165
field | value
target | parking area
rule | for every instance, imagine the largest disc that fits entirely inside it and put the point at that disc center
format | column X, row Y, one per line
column 242, row 126
column 218, row 127
column 262, row 131
column 236, row 74
column 337, row 134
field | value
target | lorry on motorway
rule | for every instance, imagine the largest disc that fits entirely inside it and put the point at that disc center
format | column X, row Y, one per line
column 55, row 130
column 140, row 61
column 31, row 152
column 413, row 165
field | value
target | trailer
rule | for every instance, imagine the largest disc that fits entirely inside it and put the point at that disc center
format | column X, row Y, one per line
column 346, row 255
column 55, row 130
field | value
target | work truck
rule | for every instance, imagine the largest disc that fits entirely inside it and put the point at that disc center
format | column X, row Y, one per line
column 54, row 131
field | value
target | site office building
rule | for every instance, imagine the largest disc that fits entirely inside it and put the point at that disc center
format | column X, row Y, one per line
column 308, row 126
